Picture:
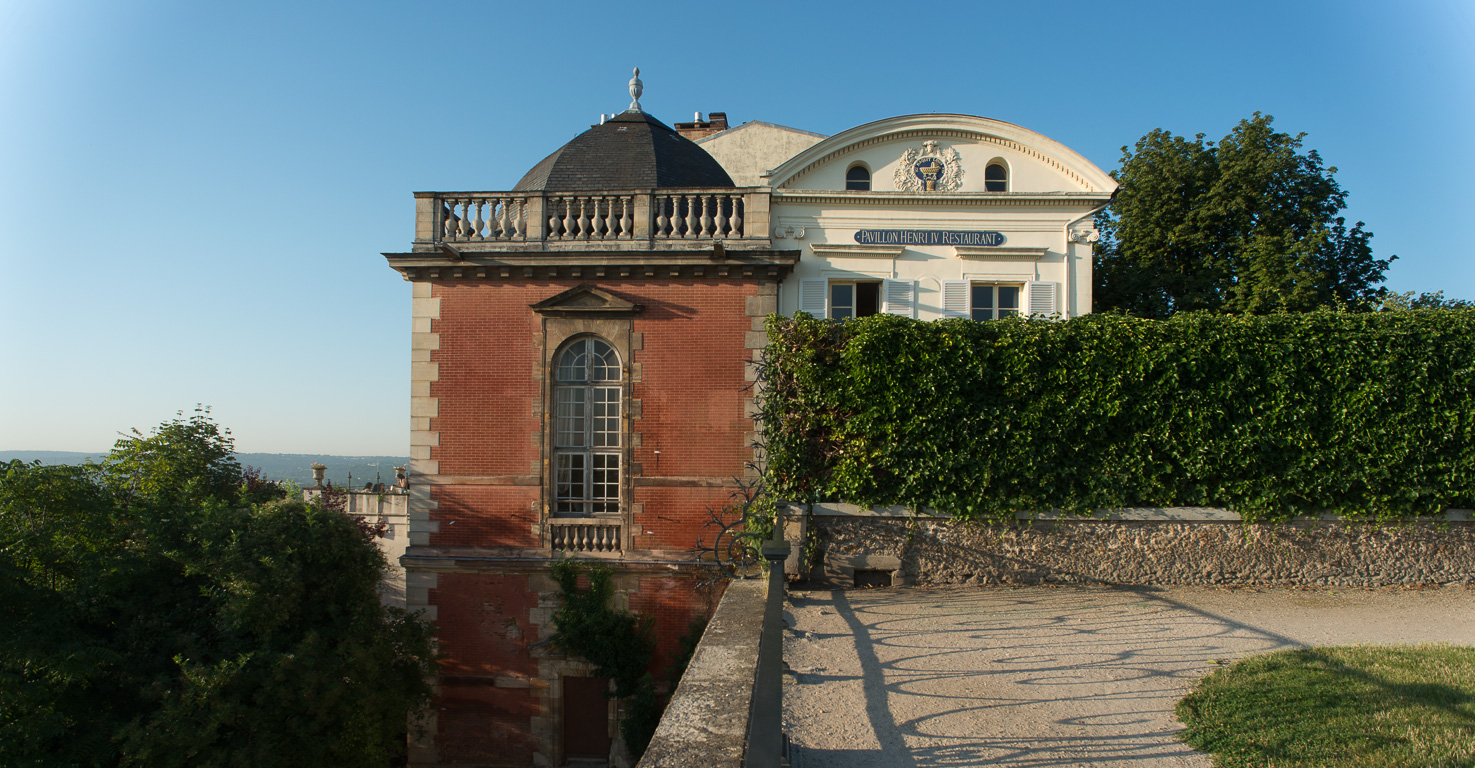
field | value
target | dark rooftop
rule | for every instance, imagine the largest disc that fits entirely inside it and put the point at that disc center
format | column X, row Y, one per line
column 632, row 150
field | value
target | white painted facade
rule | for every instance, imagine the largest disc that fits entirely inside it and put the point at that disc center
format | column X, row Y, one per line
column 1044, row 213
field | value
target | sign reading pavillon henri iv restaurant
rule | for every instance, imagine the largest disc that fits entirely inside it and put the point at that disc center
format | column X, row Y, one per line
column 926, row 237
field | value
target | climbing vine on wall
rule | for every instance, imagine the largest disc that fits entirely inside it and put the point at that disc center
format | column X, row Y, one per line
column 1367, row 415
column 617, row 642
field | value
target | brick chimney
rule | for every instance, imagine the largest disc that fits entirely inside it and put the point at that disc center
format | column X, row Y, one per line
column 698, row 128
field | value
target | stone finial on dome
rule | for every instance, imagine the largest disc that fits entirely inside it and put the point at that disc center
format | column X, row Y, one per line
column 636, row 88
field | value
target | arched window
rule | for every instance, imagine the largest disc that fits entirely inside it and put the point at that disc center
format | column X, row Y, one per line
column 586, row 428
column 858, row 177
column 996, row 177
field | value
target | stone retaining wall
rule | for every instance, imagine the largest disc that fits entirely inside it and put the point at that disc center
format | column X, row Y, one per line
column 1165, row 550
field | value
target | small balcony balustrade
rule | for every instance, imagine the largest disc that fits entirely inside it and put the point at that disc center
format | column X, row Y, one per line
column 584, row 534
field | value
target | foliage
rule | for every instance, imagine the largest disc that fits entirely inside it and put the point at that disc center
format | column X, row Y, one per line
column 1343, row 706
column 617, row 642
column 741, row 528
column 256, row 488
column 183, row 460
column 1369, row 415
column 150, row 614
column 1248, row 226
column 1435, row 300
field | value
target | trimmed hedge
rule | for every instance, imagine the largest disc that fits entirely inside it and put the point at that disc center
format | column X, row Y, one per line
column 1369, row 416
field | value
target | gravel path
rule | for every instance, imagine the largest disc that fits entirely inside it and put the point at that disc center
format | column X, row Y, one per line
column 1053, row 676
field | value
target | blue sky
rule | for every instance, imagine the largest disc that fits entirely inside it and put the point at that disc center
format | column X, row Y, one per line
column 194, row 196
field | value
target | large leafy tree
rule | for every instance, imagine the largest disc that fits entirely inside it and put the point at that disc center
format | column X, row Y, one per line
column 154, row 613
column 1248, row 226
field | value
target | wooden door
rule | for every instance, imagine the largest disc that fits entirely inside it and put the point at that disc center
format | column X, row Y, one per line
column 585, row 718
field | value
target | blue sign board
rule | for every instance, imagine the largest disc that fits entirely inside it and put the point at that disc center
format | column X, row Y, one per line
column 926, row 237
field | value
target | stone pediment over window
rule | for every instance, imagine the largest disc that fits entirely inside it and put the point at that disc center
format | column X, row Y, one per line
column 586, row 301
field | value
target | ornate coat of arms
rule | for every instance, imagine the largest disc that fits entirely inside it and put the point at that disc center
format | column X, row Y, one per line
column 929, row 169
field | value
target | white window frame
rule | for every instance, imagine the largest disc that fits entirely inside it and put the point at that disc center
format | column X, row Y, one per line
column 854, row 297
column 895, row 297
column 1036, row 297
column 995, row 311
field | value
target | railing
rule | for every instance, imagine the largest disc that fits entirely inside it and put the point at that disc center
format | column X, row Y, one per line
column 462, row 218
column 698, row 216
column 590, row 217
column 585, row 534
column 765, row 724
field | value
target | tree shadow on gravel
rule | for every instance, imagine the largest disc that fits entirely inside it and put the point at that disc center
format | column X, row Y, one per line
column 1027, row 677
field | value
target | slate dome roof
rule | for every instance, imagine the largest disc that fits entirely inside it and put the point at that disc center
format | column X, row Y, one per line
column 632, row 150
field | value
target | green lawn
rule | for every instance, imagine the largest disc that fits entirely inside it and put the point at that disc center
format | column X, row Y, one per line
column 1382, row 706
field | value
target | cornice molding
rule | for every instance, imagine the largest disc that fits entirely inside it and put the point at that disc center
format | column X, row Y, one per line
column 598, row 265
column 851, row 250
column 999, row 253
column 947, row 199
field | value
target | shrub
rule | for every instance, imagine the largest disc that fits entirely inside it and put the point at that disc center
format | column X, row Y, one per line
column 1367, row 415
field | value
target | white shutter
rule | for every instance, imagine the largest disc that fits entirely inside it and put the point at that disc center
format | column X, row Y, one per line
column 899, row 297
column 1042, row 298
column 814, row 296
column 955, row 298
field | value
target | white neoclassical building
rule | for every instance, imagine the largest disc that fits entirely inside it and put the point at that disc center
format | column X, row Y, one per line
column 926, row 216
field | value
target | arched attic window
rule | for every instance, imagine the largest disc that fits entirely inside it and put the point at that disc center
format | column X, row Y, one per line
column 858, row 177
column 586, row 428
column 996, row 177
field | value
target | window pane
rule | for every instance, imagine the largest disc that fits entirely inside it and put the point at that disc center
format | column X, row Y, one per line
column 569, row 481
column 858, row 178
column 604, row 363
column 572, row 364
column 606, row 417
column 867, row 299
column 586, row 414
column 1008, row 300
column 842, row 301
column 604, row 489
column 996, row 178
column 983, row 302
column 570, row 421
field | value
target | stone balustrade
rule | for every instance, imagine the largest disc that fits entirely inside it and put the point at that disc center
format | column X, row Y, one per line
column 584, row 534
column 462, row 219
column 474, row 218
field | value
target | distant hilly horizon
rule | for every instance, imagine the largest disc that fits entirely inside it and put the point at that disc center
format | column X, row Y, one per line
column 349, row 471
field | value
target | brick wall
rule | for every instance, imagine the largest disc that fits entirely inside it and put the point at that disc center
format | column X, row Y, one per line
column 487, row 384
column 672, row 602
column 497, row 703
column 689, row 383
column 692, row 378
column 675, row 516
column 485, row 698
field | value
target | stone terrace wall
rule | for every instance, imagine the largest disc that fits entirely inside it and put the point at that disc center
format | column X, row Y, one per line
column 1195, row 547
column 706, row 723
